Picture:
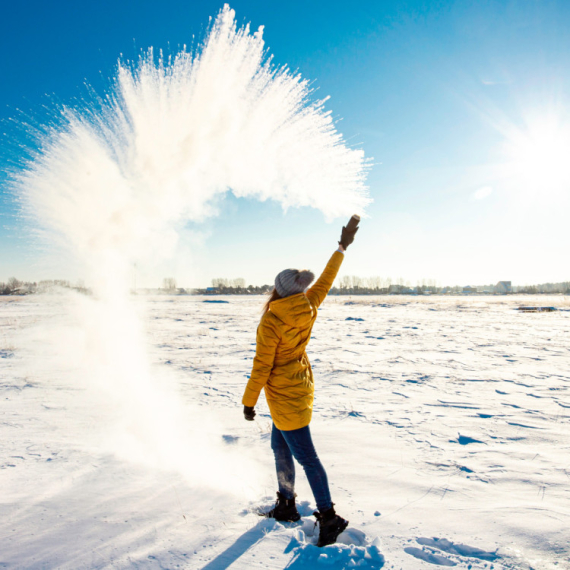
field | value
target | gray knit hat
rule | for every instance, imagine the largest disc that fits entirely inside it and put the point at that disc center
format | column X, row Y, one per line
column 292, row 281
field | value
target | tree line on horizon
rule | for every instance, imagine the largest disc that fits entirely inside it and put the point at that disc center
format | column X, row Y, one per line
column 16, row 287
column 354, row 285
column 345, row 285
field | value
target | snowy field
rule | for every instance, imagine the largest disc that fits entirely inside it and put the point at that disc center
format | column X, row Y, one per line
column 442, row 422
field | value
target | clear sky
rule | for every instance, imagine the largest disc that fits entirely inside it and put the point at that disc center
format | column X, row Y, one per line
column 464, row 106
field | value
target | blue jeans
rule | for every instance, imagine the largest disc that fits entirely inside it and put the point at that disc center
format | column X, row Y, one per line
column 297, row 443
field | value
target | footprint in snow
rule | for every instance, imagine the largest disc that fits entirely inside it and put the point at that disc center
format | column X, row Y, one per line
column 428, row 556
column 434, row 550
column 465, row 440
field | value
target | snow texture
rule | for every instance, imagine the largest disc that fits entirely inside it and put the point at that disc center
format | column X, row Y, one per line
column 442, row 424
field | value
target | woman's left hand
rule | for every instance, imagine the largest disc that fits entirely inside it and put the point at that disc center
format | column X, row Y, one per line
column 248, row 413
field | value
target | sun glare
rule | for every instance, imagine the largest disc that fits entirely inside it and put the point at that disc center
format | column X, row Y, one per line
column 538, row 157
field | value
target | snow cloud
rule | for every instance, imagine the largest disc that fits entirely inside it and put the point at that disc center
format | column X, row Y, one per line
column 114, row 183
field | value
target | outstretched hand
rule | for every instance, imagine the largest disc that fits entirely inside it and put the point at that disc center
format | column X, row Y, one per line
column 248, row 413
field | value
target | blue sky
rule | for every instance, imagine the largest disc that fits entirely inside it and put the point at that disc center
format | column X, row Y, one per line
column 450, row 98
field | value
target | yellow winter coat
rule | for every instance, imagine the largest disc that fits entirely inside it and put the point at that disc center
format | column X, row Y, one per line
column 281, row 365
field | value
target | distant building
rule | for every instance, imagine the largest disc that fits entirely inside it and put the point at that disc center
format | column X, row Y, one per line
column 503, row 288
column 469, row 290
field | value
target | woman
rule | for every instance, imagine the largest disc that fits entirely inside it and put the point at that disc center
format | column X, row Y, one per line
column 281, row 367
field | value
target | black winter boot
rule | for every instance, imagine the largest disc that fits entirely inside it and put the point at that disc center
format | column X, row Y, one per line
column 330, row 526
column 283, row 511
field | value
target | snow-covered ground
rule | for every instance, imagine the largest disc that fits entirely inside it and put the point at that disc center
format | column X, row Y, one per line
column 442, row 422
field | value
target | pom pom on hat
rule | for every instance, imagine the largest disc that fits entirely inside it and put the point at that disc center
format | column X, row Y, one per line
column 292, row 281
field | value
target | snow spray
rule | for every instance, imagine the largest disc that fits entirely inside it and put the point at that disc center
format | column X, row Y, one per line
column 113, row 182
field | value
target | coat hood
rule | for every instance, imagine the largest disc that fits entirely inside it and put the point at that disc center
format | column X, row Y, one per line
column 295, row 311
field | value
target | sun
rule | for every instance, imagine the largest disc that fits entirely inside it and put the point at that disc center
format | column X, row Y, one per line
column 538, row 156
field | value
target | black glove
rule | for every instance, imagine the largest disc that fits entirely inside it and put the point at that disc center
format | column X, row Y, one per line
column 347, row 236
column 248, row 413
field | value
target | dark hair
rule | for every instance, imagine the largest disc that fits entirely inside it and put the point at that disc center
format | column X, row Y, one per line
column 271, row 296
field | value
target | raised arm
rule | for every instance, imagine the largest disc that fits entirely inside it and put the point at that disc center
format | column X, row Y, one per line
column 267, row 341
column 317, row 293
